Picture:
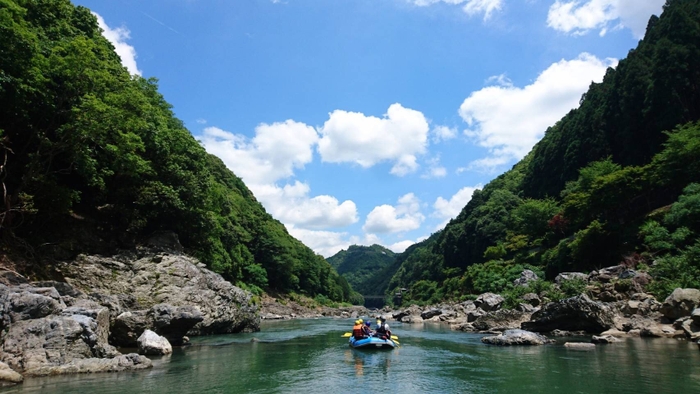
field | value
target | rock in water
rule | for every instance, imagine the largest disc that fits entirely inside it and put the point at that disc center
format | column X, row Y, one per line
column 150, row 343
column 8, row 375
column 579, row 345
column 515, row 338
column 572, row 314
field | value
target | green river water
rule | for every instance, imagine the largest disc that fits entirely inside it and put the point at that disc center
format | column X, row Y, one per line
column 309, row 356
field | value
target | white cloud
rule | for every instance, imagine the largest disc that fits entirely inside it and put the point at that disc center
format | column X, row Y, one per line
column 471, row 7
column 578, row 18
column 328, row 243
column 509, row 120
column 405, row 216
column 291, row 204
column 273, row 154
column 399, row 247
column 118, row 39
column 443, row 133
column 435, row 170
column 352, row 137
column 449, row 209
column 201, row 121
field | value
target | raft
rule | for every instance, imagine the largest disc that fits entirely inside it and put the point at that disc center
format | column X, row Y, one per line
column 372, row 343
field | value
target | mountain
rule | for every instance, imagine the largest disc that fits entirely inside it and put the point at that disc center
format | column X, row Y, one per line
column 93, row 159
column 612, row 181
column 366, row 268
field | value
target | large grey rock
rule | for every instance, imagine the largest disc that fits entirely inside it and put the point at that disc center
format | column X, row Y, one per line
column 127, row 328
column 174, row 322
column 489, row 302
column 695, row 315
column 31, row 303
column 525, row 278
column 123, row 362
column 570, row 276
column 141, row 281
column 532, row 299
column 8, row 375
column 427, row 314
column 54, row 341
column 681, row 303
column 604, row 339
column 579, row 345
column 501, row 320
column 516, row 337
column 474, row 314
column 572, row 314
column 150, row 343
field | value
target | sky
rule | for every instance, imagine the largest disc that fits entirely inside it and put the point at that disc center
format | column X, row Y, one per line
column 370, row 121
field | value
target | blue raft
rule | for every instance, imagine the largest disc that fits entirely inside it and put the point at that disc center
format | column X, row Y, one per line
column 372, row 343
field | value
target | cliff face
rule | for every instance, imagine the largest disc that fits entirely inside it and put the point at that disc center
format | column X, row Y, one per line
column 76, row 325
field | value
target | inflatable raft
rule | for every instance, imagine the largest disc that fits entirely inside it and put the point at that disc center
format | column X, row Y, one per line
column 372, row 343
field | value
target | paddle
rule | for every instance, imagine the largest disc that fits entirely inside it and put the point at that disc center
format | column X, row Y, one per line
column 349, row 334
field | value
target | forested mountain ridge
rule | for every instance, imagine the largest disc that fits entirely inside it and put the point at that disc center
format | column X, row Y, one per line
column 612, row 181
column 366, row 268
column 93, row 159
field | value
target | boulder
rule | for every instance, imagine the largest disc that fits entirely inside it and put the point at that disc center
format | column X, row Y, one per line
column 579, row 346
column 174, row 322
column 501, row 320
column 413, row 310
column 412, row 319
column 127, row 328
column 695, row 315
column 33, row 346
column 150, row 343
column 431, row 313
column 123, row 362
column 489, row 302
column 474, row 314
column 525, row 278
column 570, row 276
column 142, row 279
column 8, row 375
column 689, row 328
column 516, row 337
column 24, row 303
column 604, row 339
column 572, row 314
column 532, row 299
column 613, row 332
column 680, row 303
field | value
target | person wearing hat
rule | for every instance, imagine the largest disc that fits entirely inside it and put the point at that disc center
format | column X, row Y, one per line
column 367, row 329
column 383, row 328
column 357, row 330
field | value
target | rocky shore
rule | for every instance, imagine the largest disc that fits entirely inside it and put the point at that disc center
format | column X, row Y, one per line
column 614, row 305
column 149, row 299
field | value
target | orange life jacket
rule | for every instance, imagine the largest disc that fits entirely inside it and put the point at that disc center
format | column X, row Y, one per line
column 357, row 331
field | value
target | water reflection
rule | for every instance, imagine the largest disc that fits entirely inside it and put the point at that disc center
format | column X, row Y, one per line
column 312, row 357
column 374, row 360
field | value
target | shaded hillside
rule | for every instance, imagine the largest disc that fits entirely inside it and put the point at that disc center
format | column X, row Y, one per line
column 590, row 191
column 366, row 268
column 93, row 159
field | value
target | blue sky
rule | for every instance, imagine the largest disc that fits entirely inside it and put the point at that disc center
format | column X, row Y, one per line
column 370, row 121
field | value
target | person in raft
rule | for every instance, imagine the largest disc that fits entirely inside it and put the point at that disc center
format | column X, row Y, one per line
column 357, row 330
column 383, row 328
column 366, row 329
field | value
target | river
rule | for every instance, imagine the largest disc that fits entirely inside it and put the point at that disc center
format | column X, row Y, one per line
column 309, row 356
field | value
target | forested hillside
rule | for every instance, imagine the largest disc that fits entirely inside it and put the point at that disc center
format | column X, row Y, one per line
column 613, row 181
column 93, row 159
column 368, row 269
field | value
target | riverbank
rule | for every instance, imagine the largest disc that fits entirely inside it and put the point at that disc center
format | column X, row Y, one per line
column 613, row 304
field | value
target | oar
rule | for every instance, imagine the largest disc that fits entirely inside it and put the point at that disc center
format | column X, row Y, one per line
column 394, row 337
column 347, row 335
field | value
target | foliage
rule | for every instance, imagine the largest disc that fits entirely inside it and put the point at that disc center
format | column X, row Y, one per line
column 96, row 160
column 578, row 200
